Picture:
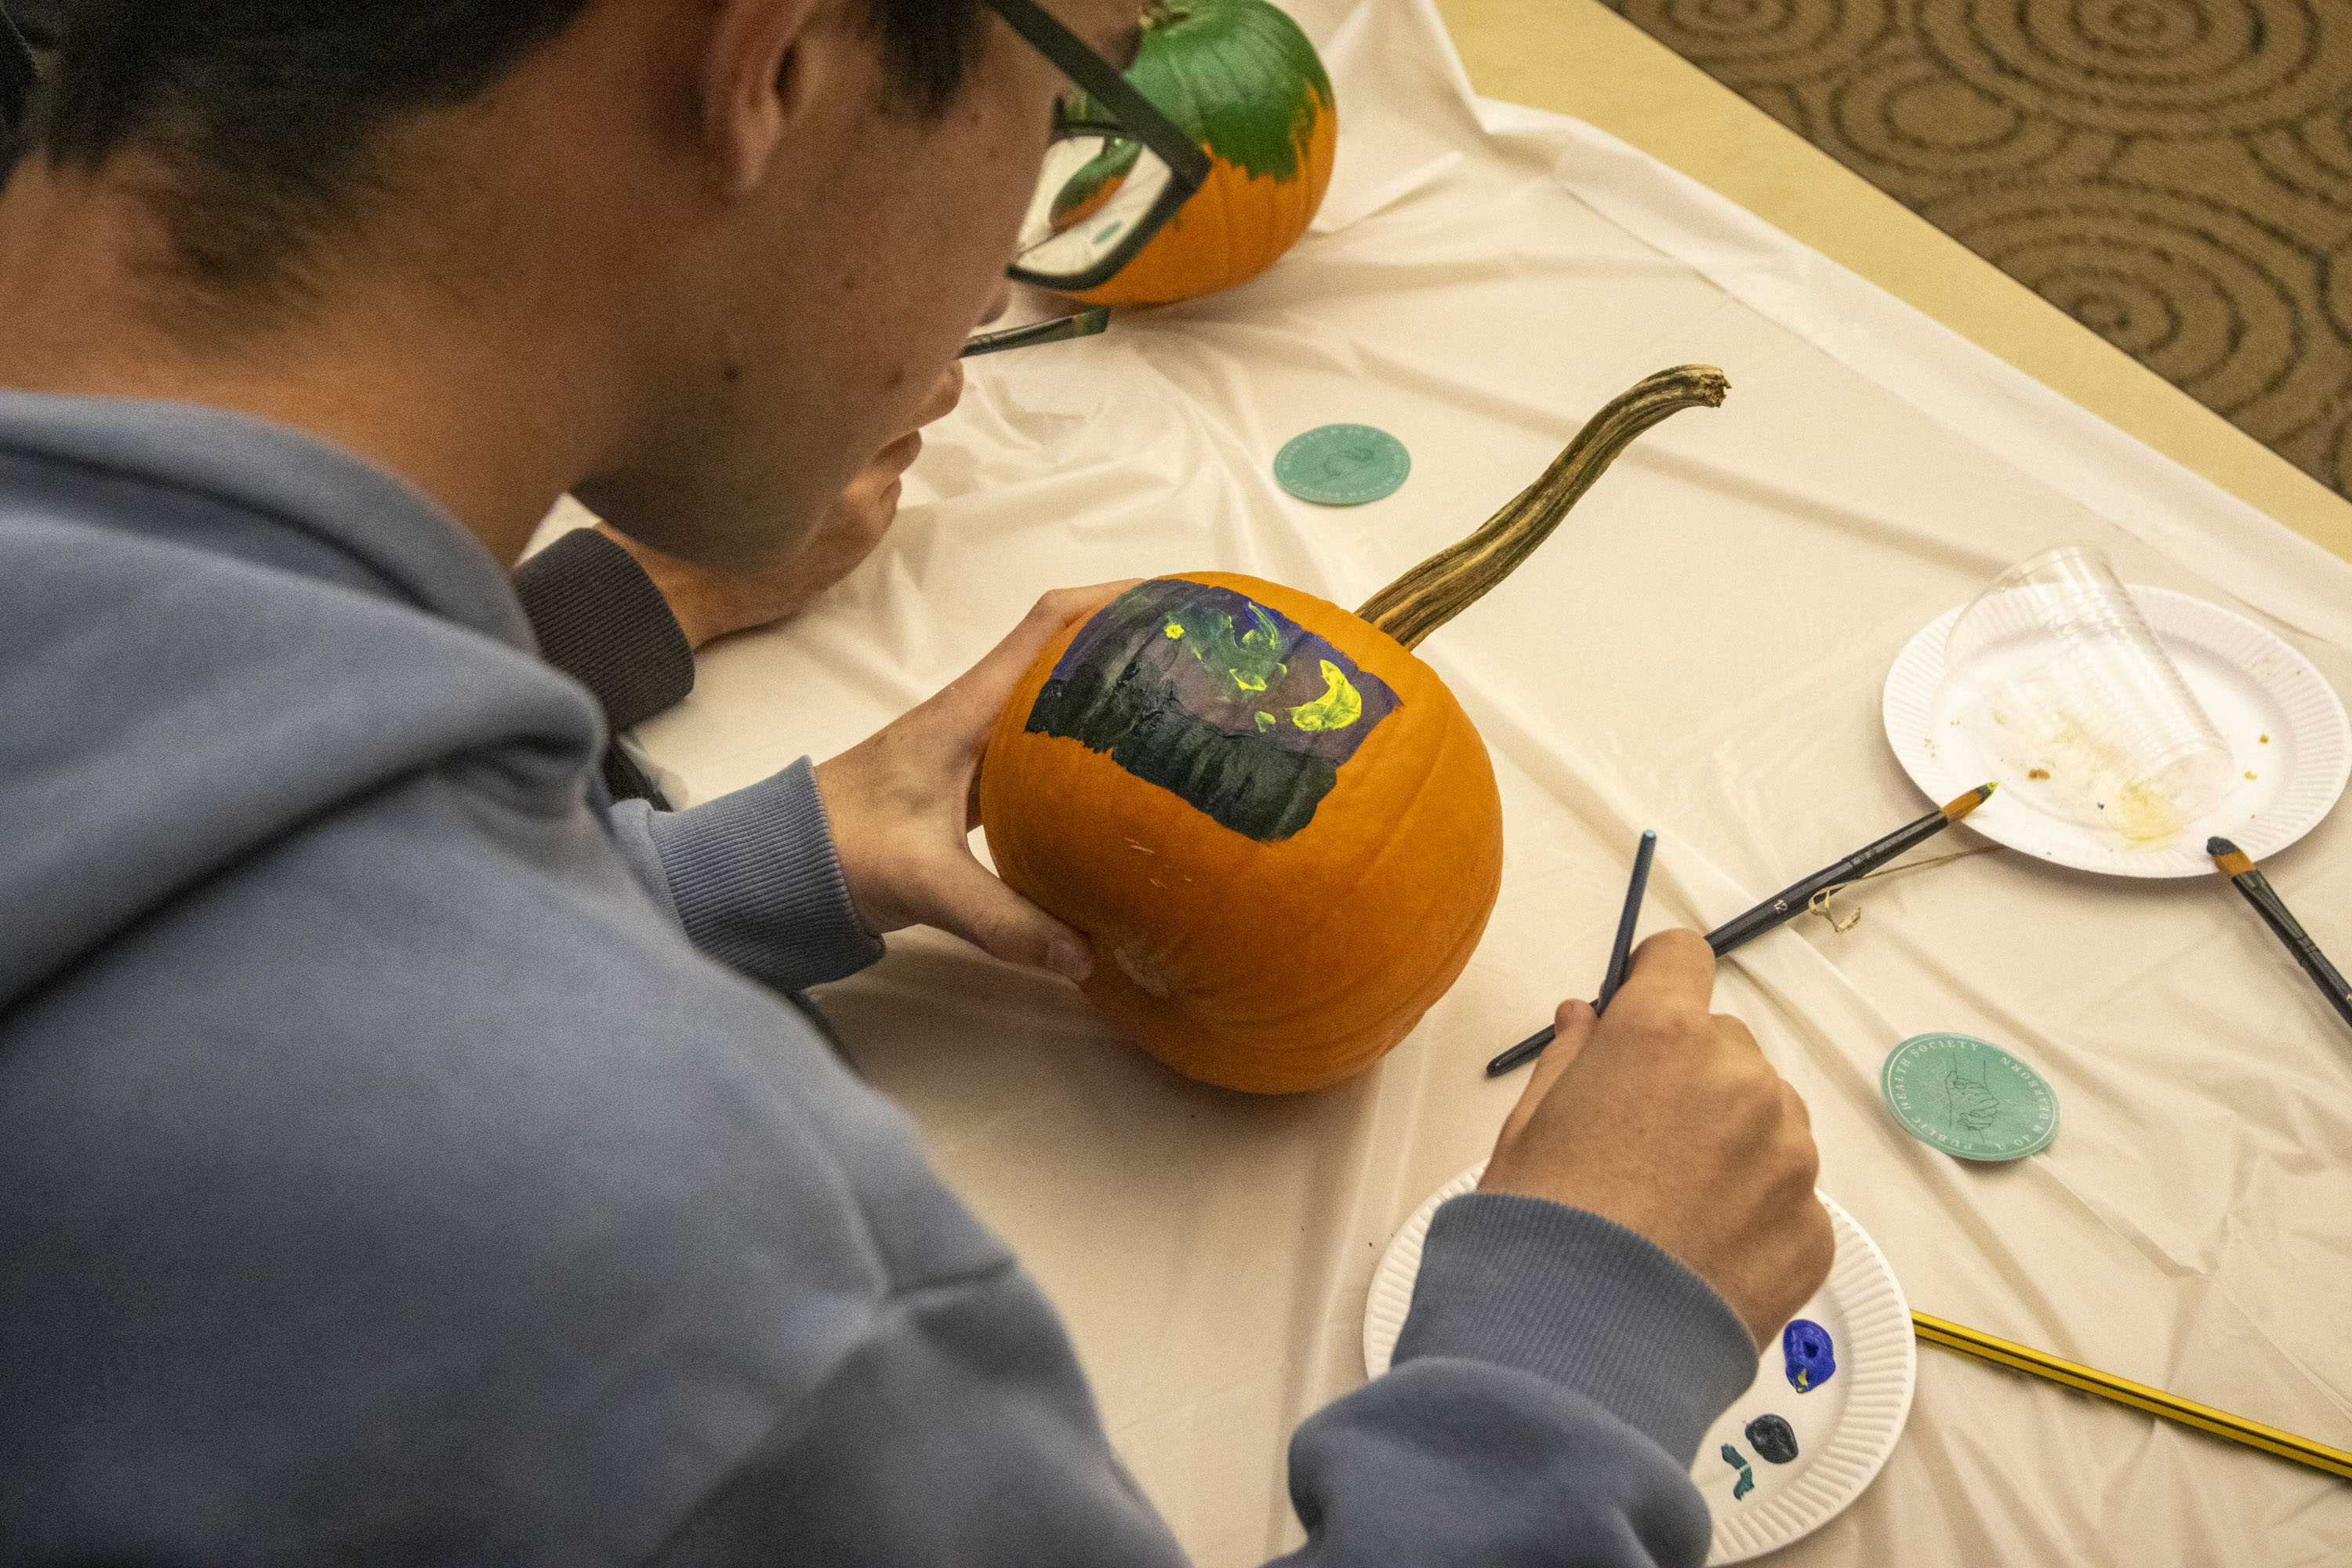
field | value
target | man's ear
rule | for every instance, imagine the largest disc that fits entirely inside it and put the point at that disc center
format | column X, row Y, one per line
column 755, row 81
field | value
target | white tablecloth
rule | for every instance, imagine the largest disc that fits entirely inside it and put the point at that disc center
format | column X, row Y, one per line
column 1700, row 650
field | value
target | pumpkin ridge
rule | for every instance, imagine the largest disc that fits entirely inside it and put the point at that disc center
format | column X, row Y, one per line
column 1337, row 997
column 1402, row 822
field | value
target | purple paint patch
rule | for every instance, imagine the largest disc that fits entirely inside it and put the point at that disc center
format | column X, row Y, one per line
column 1230, row 659
column 1207, row 693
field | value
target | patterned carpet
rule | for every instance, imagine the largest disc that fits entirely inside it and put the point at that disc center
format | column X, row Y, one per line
column 2176, row 174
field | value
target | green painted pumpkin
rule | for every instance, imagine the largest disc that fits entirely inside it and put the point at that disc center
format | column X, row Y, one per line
column 1275, row 826
column 1240, row 78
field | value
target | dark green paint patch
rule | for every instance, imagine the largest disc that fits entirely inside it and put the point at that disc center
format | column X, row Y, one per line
column 1247, row 58
column 1210, row 694
column 1746, row 1482
column 1096, row 181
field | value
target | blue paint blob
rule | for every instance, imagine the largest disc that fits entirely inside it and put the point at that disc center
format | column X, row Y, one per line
column 1773, row 1439
column 1810, row 1359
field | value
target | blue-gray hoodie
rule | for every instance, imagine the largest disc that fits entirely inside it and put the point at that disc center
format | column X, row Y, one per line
column 386, row 1177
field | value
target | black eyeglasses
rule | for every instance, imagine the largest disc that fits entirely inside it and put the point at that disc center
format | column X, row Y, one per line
column 1116, row 173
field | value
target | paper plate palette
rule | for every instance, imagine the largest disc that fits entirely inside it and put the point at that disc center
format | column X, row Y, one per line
column 1842, row 1428
column 2284, row 724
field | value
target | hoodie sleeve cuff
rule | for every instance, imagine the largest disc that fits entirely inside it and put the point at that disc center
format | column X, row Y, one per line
column 600, row 620
column 757, row 884
column 1568, row 1296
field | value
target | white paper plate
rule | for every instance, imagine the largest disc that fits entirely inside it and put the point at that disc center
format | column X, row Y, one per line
column 1845, row 1427
column 2249, row 682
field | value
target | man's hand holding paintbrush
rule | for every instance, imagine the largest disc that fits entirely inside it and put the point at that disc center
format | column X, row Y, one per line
column 1667, row 1120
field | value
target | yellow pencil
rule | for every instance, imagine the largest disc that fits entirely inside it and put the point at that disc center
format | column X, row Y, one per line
column 1948, row 1335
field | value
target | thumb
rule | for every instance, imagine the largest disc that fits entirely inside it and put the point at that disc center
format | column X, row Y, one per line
column 1572, row 1027
column 965, row 900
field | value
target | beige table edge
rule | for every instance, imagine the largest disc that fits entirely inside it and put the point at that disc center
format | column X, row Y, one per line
column 1579, row 57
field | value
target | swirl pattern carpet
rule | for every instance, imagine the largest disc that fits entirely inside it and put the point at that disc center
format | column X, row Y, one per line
column 2174, row 174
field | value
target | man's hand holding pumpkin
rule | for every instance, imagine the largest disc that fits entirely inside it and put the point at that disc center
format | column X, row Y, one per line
column 903, row 802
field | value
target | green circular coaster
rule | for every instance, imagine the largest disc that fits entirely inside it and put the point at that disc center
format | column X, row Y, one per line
column 1342, row 465
column 1969, row 1098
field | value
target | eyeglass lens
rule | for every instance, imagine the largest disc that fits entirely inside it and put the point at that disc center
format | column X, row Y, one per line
column 1094, row 190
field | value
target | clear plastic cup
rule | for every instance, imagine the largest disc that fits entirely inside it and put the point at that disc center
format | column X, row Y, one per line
column 2072, row 701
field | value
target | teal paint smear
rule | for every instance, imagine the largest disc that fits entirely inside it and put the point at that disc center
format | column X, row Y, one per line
column 1247, row 58
column 1746, row 1482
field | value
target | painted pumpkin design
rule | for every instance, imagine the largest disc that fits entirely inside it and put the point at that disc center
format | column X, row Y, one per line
column 1275, row 824
column 1239, row 77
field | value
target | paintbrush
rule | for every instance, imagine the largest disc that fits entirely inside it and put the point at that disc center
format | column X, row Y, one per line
column 2239, row 867
column 1945, row 1334
column 1086, row 323
column 1621, row 951
column 1621, row 957
column 1790, row 902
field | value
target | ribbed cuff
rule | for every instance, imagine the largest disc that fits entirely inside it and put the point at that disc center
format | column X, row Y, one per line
column 757, row 885
column 1565, row 1294
column 600, row 620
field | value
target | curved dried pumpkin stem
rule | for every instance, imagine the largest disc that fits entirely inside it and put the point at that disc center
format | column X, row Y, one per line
column 1450, row 581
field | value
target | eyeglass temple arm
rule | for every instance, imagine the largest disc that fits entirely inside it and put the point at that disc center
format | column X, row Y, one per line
column 1135, row 113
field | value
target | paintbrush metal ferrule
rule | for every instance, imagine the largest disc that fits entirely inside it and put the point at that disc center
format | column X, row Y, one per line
column 1086, row 323
column 1954, row 809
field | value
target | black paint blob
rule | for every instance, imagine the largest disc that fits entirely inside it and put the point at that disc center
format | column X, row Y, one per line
column 1773, row 1439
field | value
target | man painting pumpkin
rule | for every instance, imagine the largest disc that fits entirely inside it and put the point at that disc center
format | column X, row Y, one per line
column 384, row 1173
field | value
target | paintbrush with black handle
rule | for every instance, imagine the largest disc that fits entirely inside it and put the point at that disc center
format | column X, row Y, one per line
column 1790, row 902
column 2239, row 867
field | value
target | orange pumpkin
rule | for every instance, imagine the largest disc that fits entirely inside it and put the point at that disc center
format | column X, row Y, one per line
column 1238, row 76
column 1275, row 824
column 1228, row 881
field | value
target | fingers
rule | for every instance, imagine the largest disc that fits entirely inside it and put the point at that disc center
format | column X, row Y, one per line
column 1671, row 966
column 1573, row 1023
column 975, row 697
column 1572, row 1026
column 966, row 901
column 1063, row 605
column 1044, row 620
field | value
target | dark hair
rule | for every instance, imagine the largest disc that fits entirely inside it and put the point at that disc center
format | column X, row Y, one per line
column 17, row 73
column 265, row 116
